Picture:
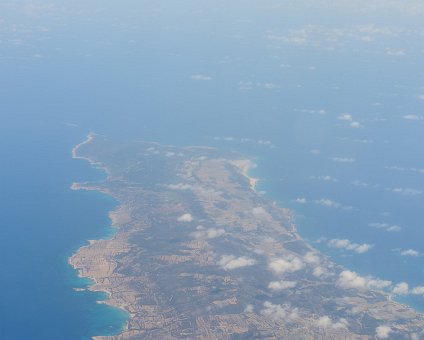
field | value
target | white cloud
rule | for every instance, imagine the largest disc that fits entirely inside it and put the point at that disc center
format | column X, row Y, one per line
column 249, row 309
column 412, row 117
column 185, row 218
column 315, row 151
column 359, row 183
column 406, row 191
column 378, row 284
column 362, row 248
column 260, row 212
column 180, row 186
column 419, row 290
column 287, row 265
column 343, row 159
column 395, row 168
column 348, row 279
column 328, row 203
column 410, row 252
column 421, row 96
column 383, row 332
column 311, row 258
column 346, row 117
column 279, row 312
column 203, row 233
column 319, row 271
column 356, row 125
column 213, row 233
column 249, row 85
column 300, row 200
column 200, row 77
column 348, row 245
column 325, row 178
column 386, row 227
column 401, row 289
column 326, row 322
column 275, row 312
column 396, row 53
column 281, row 285
column 230, row 262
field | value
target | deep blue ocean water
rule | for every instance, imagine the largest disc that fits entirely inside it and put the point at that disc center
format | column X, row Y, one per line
column 235, row 75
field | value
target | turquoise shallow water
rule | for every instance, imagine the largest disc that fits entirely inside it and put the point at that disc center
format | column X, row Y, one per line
column 43, row 222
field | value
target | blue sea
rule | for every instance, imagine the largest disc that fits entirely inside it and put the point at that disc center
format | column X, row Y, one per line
column 328, row 100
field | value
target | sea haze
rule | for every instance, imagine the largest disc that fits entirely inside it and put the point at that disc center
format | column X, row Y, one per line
column 327, row 96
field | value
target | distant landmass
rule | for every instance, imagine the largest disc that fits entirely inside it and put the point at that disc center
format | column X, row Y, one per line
column 199, row 254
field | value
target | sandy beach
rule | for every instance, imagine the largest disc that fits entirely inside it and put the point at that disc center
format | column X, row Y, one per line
column 244, row 165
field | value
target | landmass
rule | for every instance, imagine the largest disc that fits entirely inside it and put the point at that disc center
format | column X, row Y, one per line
column 199, row 254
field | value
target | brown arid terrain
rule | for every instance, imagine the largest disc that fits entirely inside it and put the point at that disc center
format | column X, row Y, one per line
column 199, row 254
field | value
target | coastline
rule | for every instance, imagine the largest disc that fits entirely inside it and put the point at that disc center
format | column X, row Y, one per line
column 95, row 285
column 97, row 260
column 244, row 166
column 90, row 265
column 74, row 152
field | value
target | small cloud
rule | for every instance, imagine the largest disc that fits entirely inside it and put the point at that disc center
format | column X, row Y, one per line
column 279, row 312
column 409, row 252
column 272, row 311
column 382, row 332
column 260, row 212
column 326, row 322
column 249, row 309
column 328, row 203
column 349, row 279
column 346, row 117
column 418, row 290
column 356, row 125
column 343, row 159
column 202, row 233
column 200, row 77
column 401, row 289
column 311, row 258
column 180, row 186
column 348, row 245
column 396, row 53
column 359, row 183
column 300, row 200
column 213, row 233
column 268, row 86
column 421, row 96
column 395, row 168
column 325, row 178
column 281, row 285
column 287, row 265
column 185, row 218
column 378, row 284
column 386, row 227
column 319, row 271
column 230, row 262
column 315, row 151
column 412, row 117
column 406, row 191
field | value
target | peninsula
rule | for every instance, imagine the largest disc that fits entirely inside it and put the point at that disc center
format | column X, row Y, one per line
column 199, row 254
